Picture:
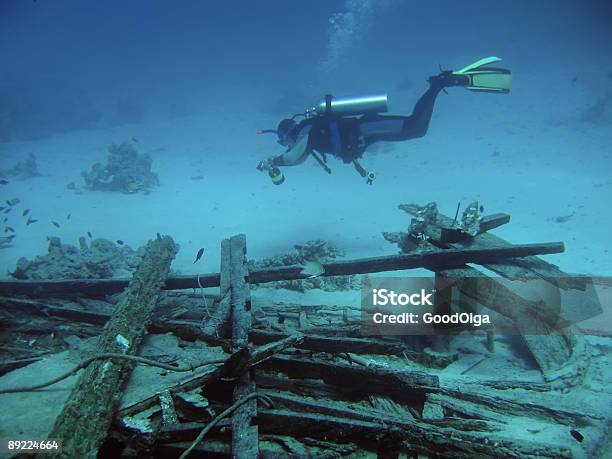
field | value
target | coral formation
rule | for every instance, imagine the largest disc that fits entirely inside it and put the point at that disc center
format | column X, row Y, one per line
column 23, row 170
column 102, row 259
column 422, row 217
column 316, row 250
column 126, row 171
column 472, row 216
column 425, row 216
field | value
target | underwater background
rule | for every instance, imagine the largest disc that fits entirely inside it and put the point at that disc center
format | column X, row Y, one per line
column 120, row 121
column 189, row 83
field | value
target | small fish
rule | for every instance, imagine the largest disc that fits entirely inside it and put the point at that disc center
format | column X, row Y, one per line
column 9, row 229
column 13, row 202
column 134, row 139
column 56, row 224
column 25, row 212
column 199, row 255
column 89, row 234
column 312, row 269
column 6, row 240
column 68, row 217
column 2, row 208
column 5, row 220
column 30, row 221
column 3, row 182
column 577, row 435
column 8, row 210
column 119, row 241
column 564, row 218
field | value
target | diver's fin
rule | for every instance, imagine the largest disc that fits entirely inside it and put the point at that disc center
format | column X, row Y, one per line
column 479, row 63
column 487, row 79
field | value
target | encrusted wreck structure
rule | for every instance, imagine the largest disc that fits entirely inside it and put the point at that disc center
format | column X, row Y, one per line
column 225, row 372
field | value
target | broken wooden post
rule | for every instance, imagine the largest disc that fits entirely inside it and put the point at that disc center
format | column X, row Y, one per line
column 84, row 422
column 216, row 326
column 245, row 433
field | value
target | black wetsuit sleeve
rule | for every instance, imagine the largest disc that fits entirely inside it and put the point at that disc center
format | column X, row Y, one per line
column 396, row 128
column 297, row 155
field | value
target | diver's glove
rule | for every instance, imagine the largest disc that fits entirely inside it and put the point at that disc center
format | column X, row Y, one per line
column 447, row 78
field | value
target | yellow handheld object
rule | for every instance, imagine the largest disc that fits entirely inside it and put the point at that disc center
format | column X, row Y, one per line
column 276, row 175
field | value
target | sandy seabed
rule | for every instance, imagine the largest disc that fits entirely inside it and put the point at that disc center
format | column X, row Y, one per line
column 533, row 165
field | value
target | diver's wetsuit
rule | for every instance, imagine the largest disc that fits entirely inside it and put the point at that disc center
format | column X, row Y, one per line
column 349, row 137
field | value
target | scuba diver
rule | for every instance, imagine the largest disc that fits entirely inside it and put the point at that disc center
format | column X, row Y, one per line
column 345, row 127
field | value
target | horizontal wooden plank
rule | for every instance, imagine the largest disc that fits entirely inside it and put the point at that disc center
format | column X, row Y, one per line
column 431, row 259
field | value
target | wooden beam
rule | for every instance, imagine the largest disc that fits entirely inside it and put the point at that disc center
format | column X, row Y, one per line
column 245, row 434
column 190, row 330
column 406, row 436
column 335, row 344
column 435, row 258
column 397, row 384
column 493, row 221
column 489, row 222
column 84, row 422
column 217, row 325
column 211, row 373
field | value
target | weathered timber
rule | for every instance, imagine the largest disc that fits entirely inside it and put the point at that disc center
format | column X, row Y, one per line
column 493, row 221
column 507, row 407
column 307, row 387
column 40, row 308
column 431, row 259
column 190, row 330
column 84, row 422
column 397, row 384
column 213, row 373
column 550, row 346
column 348, row 412
column 245, row 433
column 365, row 413
column 268, row 445
column 427, row 440
column 487, row 223
column 217, row 324
column 10, row 365
column 269, row 448
column 334, row 344
column 559, row 355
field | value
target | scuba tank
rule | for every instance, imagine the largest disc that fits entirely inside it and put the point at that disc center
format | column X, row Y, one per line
column 346, row 106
